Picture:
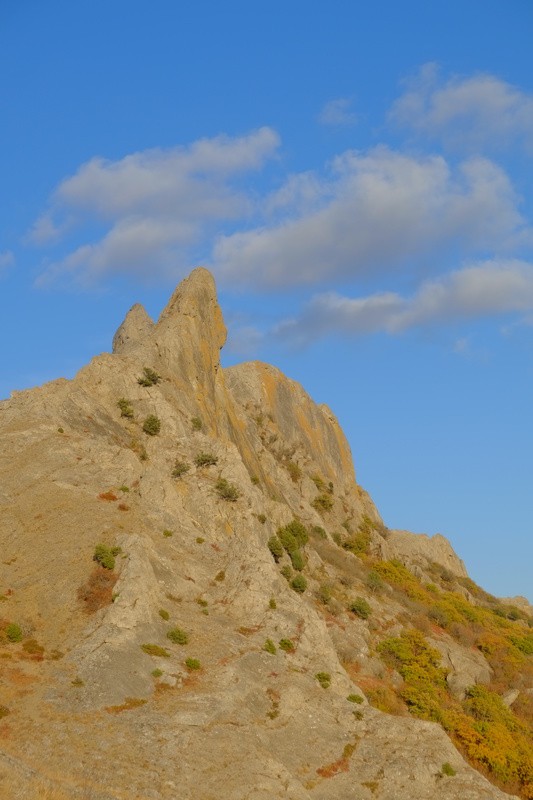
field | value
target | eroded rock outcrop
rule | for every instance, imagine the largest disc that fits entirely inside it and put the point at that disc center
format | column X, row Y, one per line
column 196, row 667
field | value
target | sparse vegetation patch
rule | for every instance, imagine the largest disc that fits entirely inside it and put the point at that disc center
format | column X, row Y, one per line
column 324, row 679
column 227, row 491
column 180, row 468
column 149, row 377
column 126, row 408
column 178, row 636
column 152, row 425
column 205, row 460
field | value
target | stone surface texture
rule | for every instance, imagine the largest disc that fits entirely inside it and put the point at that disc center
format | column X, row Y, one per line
column 99, row 718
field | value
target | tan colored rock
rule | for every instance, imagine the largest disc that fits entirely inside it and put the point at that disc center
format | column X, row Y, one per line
column 419, row 549
column 467, row 667
column 133, row 331
column 100, row 717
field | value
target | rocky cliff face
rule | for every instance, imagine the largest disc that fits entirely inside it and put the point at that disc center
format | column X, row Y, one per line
column 201, row 652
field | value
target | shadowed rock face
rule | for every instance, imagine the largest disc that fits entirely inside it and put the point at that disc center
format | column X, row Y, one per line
column 109, row 709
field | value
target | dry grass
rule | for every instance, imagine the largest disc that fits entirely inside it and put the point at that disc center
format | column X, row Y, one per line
column 109, row 496
column 127, row 705
column 97, row 592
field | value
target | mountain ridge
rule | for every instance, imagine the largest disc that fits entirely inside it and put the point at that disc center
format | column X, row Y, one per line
column 242, row 547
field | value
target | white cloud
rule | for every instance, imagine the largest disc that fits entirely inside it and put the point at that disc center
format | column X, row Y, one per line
column 338, row 112
column 374, row 212
column 472, row 112
column 155, row 203
column 486, row 289
column 7, row 259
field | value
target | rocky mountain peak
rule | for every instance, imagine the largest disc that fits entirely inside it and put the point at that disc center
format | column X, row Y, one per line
column 136, row 327
column 190, row 567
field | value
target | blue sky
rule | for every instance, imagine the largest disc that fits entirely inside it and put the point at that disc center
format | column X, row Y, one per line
column 357, row 176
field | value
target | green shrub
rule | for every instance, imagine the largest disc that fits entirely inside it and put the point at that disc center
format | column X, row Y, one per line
column 287, row 645
column 297, row 560
column 61, row 430
column 358, row 543
column 373, row 581
column 227, row 491
column 355, row 698
column 167, row 534
column 322, row 502
column 220, row 576
column 192, row 664
column 324, row 679
column 155, row 650
column 4, row 711
column 254, row 479
column 269, row 646
column 293, row 536
column 324, row 593
column 276, row 548
column 152, row 425
column 178, row 636
column 272, row 603
column 286, row 571
column 360, row 607
column 124, row 488
column 104, row 556
column 14, row 632
column 299, row 532
column 149, row 377
column 447, row 769
column 317, row 530
column 299, row 584
column 164, row 614
column 180, row 468
column 262, row 518
column 287, row 539
column 156, row 673
column 200, row 540
column 126, row 408
column 205, row 460
column 196, row 424
column 523, row 643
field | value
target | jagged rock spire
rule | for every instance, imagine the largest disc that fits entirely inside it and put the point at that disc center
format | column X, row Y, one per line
column 135, row 328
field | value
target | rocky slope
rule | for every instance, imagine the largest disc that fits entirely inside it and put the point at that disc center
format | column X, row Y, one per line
column 200, row 652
